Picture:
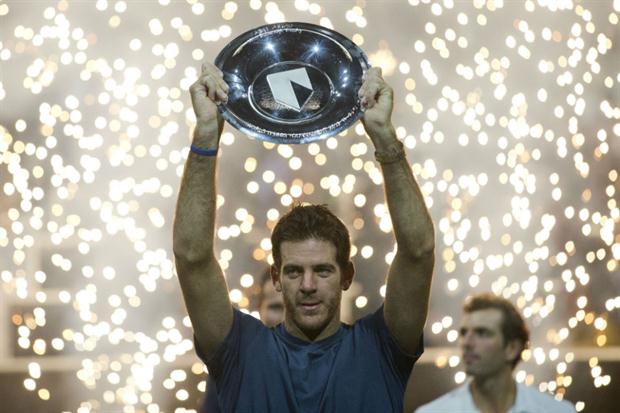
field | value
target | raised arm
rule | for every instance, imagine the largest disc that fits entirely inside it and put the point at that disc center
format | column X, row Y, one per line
column 410, row 274
column 202, row 281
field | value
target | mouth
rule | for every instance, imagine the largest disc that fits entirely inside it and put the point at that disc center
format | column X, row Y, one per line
column 310, row 306
column 470, row 358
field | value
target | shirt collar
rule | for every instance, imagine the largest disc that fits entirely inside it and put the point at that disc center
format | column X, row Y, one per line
column 298, row 342
column 467, row 398
column 520, row 405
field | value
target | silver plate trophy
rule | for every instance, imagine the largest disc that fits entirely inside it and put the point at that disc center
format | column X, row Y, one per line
column 292, row 82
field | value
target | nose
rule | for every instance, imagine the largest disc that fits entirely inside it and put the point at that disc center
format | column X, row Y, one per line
column 308, row 283
column 466, row 340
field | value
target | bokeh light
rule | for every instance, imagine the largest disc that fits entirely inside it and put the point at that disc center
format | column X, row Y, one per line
column 509, row 110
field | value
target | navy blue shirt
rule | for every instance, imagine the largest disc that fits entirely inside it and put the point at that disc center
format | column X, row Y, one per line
column 358, row 369
column 210, row 403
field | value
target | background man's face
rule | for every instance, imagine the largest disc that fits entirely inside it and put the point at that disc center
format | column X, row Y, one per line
column 310, row 281
column 482, row 344
column 272, row 305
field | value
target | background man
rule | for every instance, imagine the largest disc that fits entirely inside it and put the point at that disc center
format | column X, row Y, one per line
column 493, row 334
column 311, row 362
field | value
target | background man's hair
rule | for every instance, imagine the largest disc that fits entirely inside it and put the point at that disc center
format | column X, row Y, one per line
column 304, row 222
column 260, row 293
column 513, row 326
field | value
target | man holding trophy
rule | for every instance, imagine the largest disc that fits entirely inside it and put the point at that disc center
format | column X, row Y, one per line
column 311, row 362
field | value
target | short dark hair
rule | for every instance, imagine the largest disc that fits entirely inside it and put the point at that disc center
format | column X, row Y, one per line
column 513, row 326
column 307, row 221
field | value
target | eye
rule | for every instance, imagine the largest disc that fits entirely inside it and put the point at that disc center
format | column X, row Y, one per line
column 323, row 272
column 483, row 332
column 292, row 272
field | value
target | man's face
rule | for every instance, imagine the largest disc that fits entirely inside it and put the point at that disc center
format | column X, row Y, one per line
column 482, row 344
column 272, row 305
column 311, row 283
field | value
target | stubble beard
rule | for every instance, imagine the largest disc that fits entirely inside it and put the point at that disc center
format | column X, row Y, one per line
column 318, row 322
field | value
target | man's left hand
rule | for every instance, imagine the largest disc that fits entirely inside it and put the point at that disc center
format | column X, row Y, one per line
column 377, row 100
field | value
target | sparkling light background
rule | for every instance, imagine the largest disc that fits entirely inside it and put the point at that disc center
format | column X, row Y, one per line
column 509, row 111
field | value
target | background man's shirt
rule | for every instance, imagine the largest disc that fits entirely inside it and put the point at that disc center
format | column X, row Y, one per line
column 527, row 400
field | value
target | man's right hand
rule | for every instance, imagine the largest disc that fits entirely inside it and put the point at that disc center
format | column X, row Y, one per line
column 207, row 92
column 200, row 275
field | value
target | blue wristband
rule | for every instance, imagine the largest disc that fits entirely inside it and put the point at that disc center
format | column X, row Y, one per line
column 203, row 152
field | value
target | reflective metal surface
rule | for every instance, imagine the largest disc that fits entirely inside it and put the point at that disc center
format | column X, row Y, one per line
column 292, row 82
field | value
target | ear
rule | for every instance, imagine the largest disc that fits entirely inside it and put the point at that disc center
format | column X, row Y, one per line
column 512, row 350
column 275, row 278
column 347, row 276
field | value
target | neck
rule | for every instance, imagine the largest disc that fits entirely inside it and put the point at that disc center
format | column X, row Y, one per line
column 495, row 393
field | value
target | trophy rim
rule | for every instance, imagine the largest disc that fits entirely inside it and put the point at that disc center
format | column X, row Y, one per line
column 255, row 131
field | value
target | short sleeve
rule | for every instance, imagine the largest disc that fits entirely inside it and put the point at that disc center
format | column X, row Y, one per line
column 210, row 403
column 400, row 361
column 225, row 366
